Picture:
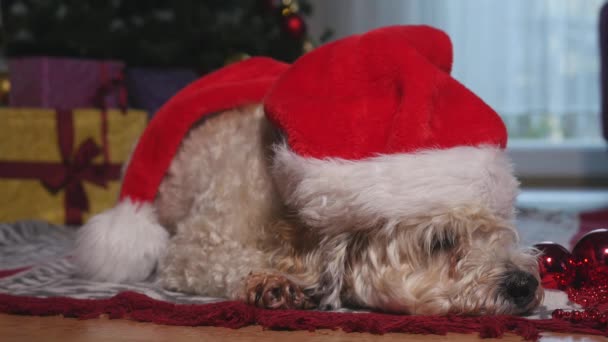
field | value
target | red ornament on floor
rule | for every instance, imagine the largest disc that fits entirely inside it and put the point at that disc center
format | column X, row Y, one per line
column 592, row 248
column 591, row 255
column 555, row 265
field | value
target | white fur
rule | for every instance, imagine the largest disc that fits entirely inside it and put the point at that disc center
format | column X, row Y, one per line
column 338, row 194
column 122, row 244
column 218, row 196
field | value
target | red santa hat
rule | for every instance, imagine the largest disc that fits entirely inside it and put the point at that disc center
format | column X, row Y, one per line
column 377, row 131
column 124, row 243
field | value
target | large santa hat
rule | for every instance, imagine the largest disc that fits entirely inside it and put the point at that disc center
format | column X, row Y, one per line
column 124, row 243
column 377, row 131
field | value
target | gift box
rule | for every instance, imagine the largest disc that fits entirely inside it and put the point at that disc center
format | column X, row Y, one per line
column 63, row 166
column 50, row 82
column 150, row 88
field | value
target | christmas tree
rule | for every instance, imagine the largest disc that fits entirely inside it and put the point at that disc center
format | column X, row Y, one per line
column 203, row 35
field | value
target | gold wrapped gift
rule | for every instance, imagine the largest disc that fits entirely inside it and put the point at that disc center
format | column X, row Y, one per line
column 63, row 166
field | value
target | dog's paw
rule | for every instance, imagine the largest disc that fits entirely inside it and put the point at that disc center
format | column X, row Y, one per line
column 272, row 291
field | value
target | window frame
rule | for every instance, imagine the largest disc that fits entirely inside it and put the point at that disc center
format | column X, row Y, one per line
column 567, row 164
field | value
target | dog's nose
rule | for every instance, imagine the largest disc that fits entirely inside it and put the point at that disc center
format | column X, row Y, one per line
column 520, row 287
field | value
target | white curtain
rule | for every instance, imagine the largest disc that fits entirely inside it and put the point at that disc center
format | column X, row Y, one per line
column 535, row 61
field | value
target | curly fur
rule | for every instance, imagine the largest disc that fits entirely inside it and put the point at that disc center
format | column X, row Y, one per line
column 236, row 207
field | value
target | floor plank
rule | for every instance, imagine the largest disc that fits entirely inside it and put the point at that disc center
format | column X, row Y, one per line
column 25, row 328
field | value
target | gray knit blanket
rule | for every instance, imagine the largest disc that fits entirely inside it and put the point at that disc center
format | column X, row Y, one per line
column 35, row 262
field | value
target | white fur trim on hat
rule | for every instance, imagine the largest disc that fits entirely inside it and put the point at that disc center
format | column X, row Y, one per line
column 343, row 194
column 122, row 244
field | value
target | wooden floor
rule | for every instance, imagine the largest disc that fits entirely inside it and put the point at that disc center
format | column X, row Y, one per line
column 39, row 329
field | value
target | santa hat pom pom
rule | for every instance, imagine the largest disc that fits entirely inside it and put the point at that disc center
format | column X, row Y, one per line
column 122, row 244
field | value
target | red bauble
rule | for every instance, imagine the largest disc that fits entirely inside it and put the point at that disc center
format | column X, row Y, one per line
column 555, row 265
column 294, row 25
column 591, row 255
column 592, row 248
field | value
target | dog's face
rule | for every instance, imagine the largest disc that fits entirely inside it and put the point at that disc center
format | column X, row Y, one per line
column 428, row 233
column 463, row 262
column 492, row 275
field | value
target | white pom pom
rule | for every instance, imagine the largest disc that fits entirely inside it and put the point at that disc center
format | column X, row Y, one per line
column 123, row 244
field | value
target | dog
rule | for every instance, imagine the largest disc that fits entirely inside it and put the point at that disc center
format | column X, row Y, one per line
column 235, row 237
column 361, row 176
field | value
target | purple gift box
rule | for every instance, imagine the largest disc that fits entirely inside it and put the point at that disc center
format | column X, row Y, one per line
column 50, row 82
column 150, row 88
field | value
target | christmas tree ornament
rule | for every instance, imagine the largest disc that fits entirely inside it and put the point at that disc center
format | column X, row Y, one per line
column 555, row 265
column 294, row 7
column 289, row 7
column 294, row 25
column 307, row 46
